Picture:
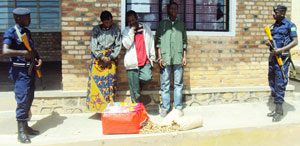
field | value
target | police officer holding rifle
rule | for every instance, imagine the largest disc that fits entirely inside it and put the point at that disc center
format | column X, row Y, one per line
column 18, row 45
column 283, row 37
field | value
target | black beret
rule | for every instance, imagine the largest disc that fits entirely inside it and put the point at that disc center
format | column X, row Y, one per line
column 21, row 11
column 280, row 8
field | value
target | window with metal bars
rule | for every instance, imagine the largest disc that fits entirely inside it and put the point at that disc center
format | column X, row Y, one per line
column 198, row 15
column 45, row 14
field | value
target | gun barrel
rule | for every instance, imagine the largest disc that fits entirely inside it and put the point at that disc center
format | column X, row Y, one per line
column 278, row 58
column 26, row 43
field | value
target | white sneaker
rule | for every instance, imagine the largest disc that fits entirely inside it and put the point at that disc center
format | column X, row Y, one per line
column 180, row 112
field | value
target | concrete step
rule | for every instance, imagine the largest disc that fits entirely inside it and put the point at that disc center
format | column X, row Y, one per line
column 66, row 102
column 278, row 135
column 295, row 73
column 243, row 124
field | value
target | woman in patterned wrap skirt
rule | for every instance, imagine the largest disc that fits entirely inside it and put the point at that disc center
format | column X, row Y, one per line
column 105, row 46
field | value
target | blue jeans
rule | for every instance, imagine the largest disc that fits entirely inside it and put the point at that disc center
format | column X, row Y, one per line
column 165, row 75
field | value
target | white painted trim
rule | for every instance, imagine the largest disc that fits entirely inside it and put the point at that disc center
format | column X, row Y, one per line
column 232, row 22
column 123, row 14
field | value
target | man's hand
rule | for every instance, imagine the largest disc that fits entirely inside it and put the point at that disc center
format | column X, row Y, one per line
column 39, row 63
column 269, row 43
column 184, row 61
column 27, row 55
column 133, row 29
column 32, row 53
column 161, row 63
column 276, row 52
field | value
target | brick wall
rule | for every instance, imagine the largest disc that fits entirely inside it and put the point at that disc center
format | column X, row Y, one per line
column 48, row 45
column 296, row 19
column 78, row 19
column 212, row 61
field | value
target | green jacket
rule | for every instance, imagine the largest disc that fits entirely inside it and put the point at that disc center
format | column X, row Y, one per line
column 171, row 39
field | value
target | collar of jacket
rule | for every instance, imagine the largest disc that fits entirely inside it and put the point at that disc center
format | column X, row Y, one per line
column 176, row 20
column 283, row 21
column 20, row 28
column 103, row 28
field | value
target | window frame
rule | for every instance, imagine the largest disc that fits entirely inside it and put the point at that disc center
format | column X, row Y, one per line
column 231, row 30
column 38, row 17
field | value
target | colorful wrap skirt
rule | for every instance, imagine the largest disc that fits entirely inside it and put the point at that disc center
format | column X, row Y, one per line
column 101, row 84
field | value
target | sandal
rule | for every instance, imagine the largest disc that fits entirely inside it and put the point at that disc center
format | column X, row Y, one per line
column 163, row 113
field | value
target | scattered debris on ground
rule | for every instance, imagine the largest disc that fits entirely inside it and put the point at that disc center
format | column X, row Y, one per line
column 156, row 128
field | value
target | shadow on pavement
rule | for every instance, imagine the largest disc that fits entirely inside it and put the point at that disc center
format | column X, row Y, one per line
column 296, row 83
column 152, row 109
column 48, row 122
column 96, row 116
column 286, row 106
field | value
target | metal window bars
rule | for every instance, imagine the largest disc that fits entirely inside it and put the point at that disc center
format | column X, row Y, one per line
column 198, row 15
column 45, row 14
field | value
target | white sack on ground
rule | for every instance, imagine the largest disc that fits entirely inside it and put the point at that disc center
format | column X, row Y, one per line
column 185, row 122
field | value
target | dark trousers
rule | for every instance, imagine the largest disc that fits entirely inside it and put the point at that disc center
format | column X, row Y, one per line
column 276, row 81
column 24, row 91
column 137, row 78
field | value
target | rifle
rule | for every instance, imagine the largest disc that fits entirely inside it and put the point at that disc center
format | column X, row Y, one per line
column 33, row 53
column 274, row 46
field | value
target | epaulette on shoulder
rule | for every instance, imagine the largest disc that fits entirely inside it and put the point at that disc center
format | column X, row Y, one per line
column 11, row 30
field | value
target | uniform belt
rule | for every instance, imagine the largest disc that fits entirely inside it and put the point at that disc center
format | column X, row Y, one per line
column 286, row 53
column 16, row 64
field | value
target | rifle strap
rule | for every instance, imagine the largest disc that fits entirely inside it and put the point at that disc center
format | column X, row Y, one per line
column 287, row 58
column 18, row 33
column 293, row 65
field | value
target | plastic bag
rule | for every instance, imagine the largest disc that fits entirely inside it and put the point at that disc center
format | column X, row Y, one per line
column 123, row 118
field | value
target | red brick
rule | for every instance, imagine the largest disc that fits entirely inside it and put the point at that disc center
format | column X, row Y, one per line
column 86, row 5
column 96, row 9
column 67, row 9
column 73, row 4
column 207, row 56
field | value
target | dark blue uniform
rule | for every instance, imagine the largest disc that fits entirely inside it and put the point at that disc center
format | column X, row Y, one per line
column 282, row 33
column 24, row 84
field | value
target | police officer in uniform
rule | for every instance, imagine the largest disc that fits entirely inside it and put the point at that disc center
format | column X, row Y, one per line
column 284, row 33
column 24, row 84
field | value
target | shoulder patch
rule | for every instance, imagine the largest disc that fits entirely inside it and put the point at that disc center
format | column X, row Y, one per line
column 293, row 29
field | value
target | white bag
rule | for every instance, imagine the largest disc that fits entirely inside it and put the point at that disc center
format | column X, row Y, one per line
column 186, row 122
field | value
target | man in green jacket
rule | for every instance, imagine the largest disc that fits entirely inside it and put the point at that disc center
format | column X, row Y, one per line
column 171, row 44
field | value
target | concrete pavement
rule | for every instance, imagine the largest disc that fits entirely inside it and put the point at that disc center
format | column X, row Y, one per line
column 243, row 121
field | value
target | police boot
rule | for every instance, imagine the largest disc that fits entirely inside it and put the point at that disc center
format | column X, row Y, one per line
column 31, row 131
column 271, row 114
column 22, row 136
column 278, row 113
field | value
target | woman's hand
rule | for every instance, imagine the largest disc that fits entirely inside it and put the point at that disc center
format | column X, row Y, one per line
column 106, row 59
